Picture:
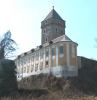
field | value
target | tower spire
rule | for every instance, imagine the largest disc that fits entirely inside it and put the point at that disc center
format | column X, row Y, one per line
column 53, row 4
column 55, row 30
column 53, row 7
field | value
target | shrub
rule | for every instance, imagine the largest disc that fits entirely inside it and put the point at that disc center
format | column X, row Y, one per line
column 8, row 82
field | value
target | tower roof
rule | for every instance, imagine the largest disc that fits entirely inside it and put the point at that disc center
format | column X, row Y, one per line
column 53, row 14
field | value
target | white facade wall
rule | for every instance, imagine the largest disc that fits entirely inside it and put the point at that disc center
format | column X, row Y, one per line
column 29, row 60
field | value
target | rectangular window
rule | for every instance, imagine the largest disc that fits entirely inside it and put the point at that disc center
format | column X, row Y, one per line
column 46, row 39
column 37, row 56
column 32, row 60
column 32, row 67
column 28, row 59
column 36, row 67
column 52, row 63
column 41, row 65
column 41, row 54
column 20, row 70
column 27, row 69
column 53, row 51
column 46, row 63
column 21, row 62
column 24, row 70
column 73, row 51
column 24, row 61
column 47, row 52
column 61, row 50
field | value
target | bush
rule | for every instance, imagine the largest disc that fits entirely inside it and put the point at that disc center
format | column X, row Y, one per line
column 8, row 81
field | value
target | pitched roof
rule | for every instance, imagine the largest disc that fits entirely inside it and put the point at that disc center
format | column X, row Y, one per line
column 61, row 38
column 53, row 14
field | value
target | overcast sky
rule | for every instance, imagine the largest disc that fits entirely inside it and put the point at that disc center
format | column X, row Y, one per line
column 23, row 18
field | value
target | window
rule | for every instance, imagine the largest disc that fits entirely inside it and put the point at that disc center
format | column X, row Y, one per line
column 41, row 65
column 73, row 51
column 37, row 56
column 32, row 66
column 41, row 54
column 53, row 63
column 45, row 21
column 21, row 69
column 28, row 59
column 24, row 70
column 21, row 62
column 56, row 30
column 27, row 69
column 24, row 61
column 53, row 51
column 32, row 59
column 46, row 63
column 36, row 67
column 61, row 31
column 47, row 53
column 46, row 39
column 61, row 50
column 43, row 31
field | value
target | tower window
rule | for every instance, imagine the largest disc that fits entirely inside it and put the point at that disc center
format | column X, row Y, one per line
column 61, row 31
column 46, row 39
column 56, row 30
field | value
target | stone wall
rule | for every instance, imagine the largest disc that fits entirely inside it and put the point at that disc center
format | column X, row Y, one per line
column 87, row 75
column 86, row 62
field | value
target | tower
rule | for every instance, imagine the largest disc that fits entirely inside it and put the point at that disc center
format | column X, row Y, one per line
column 52, row 27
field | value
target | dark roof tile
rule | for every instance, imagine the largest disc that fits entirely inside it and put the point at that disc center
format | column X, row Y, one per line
column 53, row 14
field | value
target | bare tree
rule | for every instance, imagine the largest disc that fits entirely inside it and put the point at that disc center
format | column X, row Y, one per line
column 7, row 45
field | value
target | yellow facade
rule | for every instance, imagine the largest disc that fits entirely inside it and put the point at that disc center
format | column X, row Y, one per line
column 62, row 60
column 34, row 64
column 73, row 55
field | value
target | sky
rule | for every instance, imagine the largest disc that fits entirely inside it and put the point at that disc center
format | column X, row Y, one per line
column 23, row 18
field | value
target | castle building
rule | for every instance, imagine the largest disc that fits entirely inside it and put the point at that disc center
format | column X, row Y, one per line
column 57, row 53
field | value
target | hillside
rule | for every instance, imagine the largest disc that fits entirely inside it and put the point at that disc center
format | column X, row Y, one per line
column 44, row 87
column 48, row 87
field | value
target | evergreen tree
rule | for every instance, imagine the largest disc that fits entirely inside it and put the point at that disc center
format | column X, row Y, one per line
column 7, row 45
column 8, row 81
